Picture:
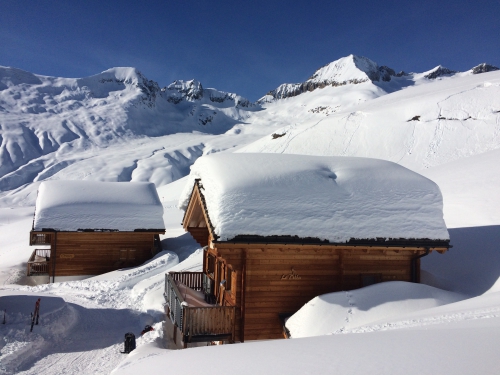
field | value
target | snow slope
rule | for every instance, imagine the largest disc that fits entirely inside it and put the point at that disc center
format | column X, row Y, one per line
column 418, row 127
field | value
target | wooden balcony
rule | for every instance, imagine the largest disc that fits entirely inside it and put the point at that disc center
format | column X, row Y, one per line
column 39, row 263
column 196, row 319
column 40, row 238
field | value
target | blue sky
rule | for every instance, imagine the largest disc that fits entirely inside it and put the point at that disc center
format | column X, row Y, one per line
column 247, row 47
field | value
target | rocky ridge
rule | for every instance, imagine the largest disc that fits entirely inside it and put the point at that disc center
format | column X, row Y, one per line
column 352, row 70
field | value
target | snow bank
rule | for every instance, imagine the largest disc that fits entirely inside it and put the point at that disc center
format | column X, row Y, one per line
column 75, row 205
column 342, row 311
column 460, row 348
column 330, row 198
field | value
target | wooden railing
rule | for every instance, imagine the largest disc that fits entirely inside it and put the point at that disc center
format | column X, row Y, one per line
column 39, row 262
column 193, row 280
column 209, row 321
column 197, row 323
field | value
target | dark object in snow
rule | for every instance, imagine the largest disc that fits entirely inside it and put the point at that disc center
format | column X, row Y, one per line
column 129, row 343
column 414, row 118
column 276, row 135
column 35, row 315
column 148, row 328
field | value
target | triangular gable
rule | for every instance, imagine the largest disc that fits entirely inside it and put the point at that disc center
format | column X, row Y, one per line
column 196, row 220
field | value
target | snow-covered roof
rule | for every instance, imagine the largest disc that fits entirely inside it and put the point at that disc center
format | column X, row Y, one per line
column 330, row 198
column 79, row 205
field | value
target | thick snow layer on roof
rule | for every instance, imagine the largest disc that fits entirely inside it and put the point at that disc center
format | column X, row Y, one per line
column 74, row 205
column 330, row 198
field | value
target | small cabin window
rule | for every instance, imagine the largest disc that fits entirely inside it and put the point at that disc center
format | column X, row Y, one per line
column 370, row 279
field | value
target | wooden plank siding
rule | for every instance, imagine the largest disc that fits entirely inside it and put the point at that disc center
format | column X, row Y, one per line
column 279, row 278
column 94, row 253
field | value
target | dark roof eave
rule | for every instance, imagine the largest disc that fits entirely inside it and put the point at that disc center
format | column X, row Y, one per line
column 100, row 230
column 385, row 242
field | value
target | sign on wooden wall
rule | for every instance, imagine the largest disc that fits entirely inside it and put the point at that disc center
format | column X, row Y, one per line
column 291, row 276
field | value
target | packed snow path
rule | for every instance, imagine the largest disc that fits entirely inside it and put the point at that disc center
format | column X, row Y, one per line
column 70, row 339
column 91, row 347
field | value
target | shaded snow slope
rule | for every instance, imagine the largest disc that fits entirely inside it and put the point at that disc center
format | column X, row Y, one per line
column 472, row 266
column 481, row 189
column 329, row 198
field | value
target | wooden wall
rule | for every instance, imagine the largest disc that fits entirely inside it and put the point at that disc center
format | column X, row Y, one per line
column 282, row 278
column 94, row 253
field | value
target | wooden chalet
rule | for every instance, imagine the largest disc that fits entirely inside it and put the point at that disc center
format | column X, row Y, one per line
column 86, row 228
column 255, row 275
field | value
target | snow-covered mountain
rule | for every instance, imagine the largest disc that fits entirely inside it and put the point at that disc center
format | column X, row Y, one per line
column 120, row 126
column 353, row 70
column 39, row 115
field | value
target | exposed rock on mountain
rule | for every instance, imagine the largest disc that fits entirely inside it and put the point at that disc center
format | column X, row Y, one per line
column 183, row 90
column 484, row 68
column 347, row 70
column 192, row 90
column 439, row 71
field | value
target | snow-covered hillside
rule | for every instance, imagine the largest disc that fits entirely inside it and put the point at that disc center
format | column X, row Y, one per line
column 47, row 122
column 120, row 126
column 101, row 127
column 420, row 126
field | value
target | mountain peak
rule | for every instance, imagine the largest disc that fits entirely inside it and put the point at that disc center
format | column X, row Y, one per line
column 14, row 76
column 439, row 71
column 351, row 69
column 347, row 68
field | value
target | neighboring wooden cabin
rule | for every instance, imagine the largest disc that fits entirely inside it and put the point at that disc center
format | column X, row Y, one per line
column 279, row 230
column 88, row 228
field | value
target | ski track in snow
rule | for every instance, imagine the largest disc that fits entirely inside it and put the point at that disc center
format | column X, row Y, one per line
column 351, row 126
column 290, row 138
